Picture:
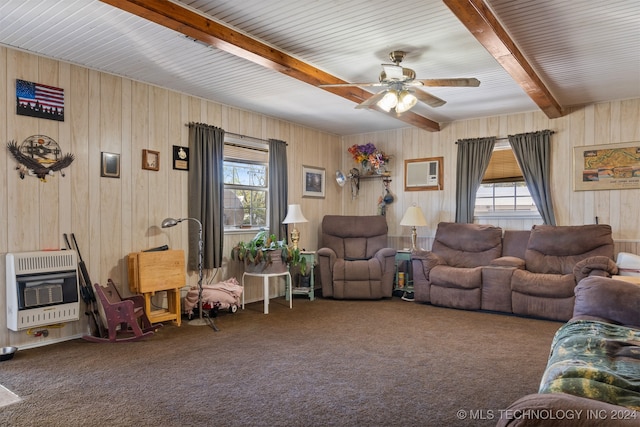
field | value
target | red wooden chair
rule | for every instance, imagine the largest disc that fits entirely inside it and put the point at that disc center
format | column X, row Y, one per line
column 126, row 318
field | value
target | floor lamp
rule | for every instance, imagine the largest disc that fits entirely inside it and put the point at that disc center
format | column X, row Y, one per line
column 171, row 222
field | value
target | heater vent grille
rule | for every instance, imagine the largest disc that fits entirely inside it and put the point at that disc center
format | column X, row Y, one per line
column 42, row 288
column 42, row 262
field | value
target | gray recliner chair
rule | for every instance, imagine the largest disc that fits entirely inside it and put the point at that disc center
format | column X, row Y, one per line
column 354, row 260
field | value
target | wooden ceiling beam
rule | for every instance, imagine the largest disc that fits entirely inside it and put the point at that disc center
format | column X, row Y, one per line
column 485, row 27
column 199, row 27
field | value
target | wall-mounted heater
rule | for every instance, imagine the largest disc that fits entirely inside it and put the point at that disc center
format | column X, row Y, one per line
column 42, row 289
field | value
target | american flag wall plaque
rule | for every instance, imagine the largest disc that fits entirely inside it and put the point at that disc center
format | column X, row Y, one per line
column 38, row 100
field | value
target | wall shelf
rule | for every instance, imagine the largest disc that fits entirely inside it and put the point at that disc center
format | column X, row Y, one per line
column 384, row 177
column 355, row 181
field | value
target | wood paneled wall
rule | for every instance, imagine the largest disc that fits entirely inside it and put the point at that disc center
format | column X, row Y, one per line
column 113, row 217
column 605, row 123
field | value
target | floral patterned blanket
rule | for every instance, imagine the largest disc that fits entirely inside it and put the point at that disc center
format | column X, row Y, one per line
column 596, row 360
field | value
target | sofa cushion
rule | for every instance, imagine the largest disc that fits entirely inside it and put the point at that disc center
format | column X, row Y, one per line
column 355, row 248
column 456, row 277
column 508, row 261
column 467, row 245
column 543, row 285
column 356, row 270
column 514, row 243
column 557, row 249
column 610, row 300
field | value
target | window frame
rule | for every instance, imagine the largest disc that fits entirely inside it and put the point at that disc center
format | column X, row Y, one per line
column 238, row 159
column 515, row 182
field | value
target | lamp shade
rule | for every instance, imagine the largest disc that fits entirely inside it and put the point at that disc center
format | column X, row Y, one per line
column 389, row 100
column 413, row 217
column 294, row 215
column 170, row 222
column 406, row 101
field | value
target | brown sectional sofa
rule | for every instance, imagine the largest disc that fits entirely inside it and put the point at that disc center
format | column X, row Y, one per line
column 530, row 273
column 592, row 377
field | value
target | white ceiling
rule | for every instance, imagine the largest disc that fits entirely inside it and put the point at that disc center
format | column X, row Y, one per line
column 584, row 51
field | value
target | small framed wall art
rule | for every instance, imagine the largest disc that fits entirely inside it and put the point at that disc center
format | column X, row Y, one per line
column 313, row 181
column 110, row 165
column 181, row 158
column 151, row 160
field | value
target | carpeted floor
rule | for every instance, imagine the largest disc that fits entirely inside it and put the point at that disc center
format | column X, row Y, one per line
column 323, row 363
column 7, row 397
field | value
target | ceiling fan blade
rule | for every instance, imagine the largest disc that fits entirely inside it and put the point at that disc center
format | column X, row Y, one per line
column 354, row 84
column 472, row 82
column 372, row 100
column 430, row 100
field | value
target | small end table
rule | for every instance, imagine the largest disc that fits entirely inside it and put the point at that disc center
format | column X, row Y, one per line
column 265, row 283
column 310, row 256
column 407, row 287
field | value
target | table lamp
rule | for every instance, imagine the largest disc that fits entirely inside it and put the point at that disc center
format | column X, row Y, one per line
column 294, row 216
column 413, row 218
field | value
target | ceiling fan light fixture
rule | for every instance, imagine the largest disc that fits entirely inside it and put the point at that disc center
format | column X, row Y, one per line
column 388, row 101
column 406, row 101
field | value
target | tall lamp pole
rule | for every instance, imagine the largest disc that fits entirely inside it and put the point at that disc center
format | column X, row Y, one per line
column 171, row 222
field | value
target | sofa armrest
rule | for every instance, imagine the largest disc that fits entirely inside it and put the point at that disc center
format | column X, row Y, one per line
column 594, row 266
column 508, row 261
column 610, row 300
column 327, row 252
column 536, row 410
column 427, row 260
column 385, row 253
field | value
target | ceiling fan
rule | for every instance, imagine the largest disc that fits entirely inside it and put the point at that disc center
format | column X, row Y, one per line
column 402, row 88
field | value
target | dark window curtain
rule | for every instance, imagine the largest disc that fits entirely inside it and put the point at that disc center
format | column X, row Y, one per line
column 473, row 159
column 278, row 187
column 206, row 190
column 533, row 152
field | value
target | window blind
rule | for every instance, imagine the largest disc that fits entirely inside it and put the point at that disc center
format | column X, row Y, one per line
column 503, row 167
column 243, row 153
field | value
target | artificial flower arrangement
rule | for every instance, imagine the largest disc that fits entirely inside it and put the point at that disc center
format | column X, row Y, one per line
column 369, row 156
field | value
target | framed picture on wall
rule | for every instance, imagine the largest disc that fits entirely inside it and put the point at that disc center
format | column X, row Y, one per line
column 181, row 158
column 110, row 165
column 151, row 160
column 39, row 100
column 607, row 167
column 313, row 181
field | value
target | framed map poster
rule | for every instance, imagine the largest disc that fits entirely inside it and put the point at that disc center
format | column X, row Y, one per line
column 607, row 167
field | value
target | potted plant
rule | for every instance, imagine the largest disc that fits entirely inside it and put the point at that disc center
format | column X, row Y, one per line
column 262, row 254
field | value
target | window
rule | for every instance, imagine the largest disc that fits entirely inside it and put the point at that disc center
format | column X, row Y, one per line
column 246, row 185
column 504, row 197
column 503, row 190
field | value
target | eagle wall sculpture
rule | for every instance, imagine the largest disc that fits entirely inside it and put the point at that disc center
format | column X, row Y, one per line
column 42, row 158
